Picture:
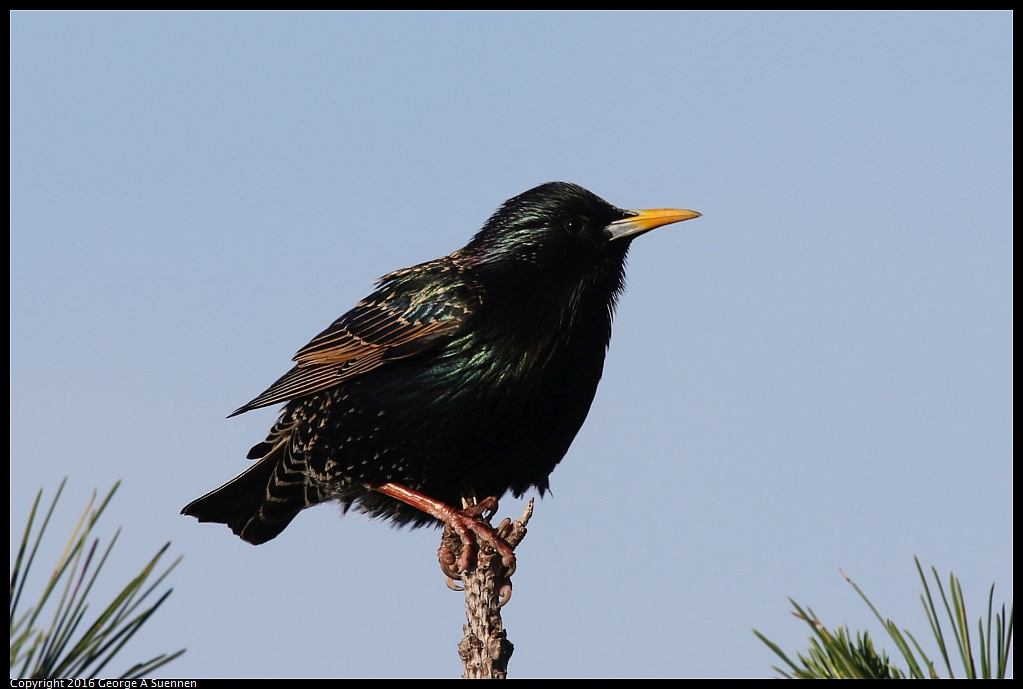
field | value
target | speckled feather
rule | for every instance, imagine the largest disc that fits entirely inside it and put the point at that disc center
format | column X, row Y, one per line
column 466, row 376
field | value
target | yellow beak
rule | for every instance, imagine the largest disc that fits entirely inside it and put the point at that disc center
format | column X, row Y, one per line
column 645, row 220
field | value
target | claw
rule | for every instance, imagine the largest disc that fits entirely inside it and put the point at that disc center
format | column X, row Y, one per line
column 504, row 593
column 447, row 561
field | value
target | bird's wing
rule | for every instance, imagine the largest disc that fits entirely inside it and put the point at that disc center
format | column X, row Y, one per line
column 386, row 326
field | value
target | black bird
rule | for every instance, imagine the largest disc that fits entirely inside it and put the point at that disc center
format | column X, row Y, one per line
column 464, row 377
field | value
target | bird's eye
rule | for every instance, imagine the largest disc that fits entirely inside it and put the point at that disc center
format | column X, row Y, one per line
column 575, row 225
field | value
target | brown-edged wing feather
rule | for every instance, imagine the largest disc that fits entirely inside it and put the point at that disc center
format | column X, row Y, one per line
column 397, row 321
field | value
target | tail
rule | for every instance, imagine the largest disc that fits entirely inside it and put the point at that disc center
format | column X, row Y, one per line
column 257, row 505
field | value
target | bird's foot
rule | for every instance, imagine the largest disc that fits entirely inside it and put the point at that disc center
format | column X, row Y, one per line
column 469, row 524
column 489, row 577
column 467, row 532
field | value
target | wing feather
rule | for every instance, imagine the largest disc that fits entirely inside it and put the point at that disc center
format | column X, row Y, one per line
column 395, row 322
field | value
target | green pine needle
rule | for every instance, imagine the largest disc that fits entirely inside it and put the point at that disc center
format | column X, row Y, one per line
column 837, row 655
column 61, row 649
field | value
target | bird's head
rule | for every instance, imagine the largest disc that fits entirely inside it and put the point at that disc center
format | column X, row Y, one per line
column 564, row 228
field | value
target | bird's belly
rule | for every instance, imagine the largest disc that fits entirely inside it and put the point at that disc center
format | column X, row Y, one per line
column 497, row 430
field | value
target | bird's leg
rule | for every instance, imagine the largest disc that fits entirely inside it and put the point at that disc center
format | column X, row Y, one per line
column 465, row 522
column 476, row 509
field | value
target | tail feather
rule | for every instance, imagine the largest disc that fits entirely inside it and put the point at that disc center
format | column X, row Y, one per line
column 256, row 505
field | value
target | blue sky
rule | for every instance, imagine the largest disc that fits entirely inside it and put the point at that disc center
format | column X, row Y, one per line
column 815, row 374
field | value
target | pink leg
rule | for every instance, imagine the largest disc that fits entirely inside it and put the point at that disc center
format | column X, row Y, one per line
column 465, row 523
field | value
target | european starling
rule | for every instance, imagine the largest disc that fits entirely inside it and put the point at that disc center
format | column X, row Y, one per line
column 461, row 378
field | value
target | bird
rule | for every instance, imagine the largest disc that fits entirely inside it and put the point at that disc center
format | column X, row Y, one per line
column 454, row 382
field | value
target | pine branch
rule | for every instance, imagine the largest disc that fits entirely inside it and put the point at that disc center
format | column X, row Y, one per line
column 484, row 648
